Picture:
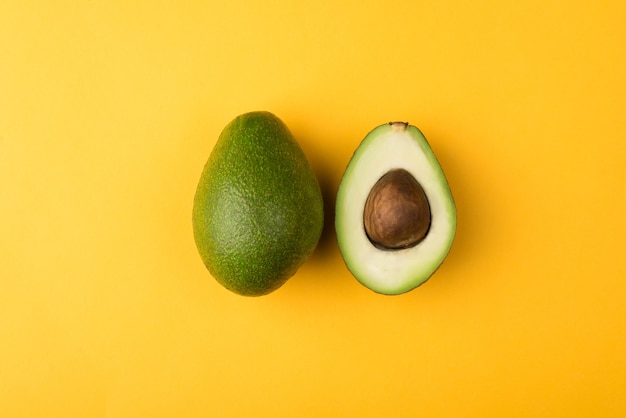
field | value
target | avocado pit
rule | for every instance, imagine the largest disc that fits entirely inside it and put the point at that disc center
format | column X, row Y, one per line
column 397, row 213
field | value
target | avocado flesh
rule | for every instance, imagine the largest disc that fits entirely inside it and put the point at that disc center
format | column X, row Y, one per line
column 258, row 210
column 390, row 147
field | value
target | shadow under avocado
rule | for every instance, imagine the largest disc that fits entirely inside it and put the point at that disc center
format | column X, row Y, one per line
column 459, row 178
column 328, row 178
column 327, row 243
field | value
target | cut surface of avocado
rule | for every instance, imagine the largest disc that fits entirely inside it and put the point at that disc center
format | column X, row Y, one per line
column 395, row 186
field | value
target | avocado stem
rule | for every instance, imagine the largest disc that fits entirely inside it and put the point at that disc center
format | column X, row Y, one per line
column 399, row 126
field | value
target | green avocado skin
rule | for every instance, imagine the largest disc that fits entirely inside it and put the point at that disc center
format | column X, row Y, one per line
column 258, row 210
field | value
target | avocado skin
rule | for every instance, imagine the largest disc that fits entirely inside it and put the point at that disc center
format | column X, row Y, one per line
column 258, row 210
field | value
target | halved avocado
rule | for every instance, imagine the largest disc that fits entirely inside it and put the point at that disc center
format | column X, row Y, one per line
column 395, row 215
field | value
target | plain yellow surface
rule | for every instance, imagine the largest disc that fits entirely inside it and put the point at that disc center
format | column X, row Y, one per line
column 108, row 111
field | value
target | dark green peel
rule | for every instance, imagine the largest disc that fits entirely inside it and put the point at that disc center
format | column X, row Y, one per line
column 258, row 210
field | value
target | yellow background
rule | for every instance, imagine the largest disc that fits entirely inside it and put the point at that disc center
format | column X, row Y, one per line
column 108, row 111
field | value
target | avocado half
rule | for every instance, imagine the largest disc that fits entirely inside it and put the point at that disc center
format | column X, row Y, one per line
column 395, row 215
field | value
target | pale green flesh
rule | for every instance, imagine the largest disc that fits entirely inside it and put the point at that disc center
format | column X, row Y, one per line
column 385, row 148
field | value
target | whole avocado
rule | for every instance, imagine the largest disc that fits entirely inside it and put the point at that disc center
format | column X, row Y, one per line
column 258, row 210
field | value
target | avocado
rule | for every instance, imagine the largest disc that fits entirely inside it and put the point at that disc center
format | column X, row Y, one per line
column 395, row 216
column 258, row 210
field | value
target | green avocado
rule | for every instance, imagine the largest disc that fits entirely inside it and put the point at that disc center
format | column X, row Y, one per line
column 395, row 216
column 258, row 210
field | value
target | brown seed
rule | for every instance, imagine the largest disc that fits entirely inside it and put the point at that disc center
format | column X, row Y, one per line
column 396, row 214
